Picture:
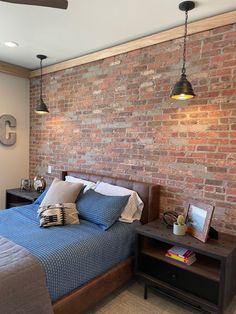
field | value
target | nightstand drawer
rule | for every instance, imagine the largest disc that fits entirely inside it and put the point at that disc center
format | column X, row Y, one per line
column 180, row 278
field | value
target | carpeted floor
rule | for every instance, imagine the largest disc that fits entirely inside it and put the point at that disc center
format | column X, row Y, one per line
column 129, row 300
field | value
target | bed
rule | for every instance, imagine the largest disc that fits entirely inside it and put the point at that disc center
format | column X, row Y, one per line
column 92, row 292
column 102, row 278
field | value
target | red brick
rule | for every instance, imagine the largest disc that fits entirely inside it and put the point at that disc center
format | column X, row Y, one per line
column 194, row 180
column 199, row 115
column 216, row 156
column 206, row 148
column 224, row 29
column 229, row 92
column 216, row 169
column 231, row 199
column 218, row 141
column 231, row 191
column 197, row 141
column 214, row 196
column 115, row 116
column 213, row 182
column 185, row 160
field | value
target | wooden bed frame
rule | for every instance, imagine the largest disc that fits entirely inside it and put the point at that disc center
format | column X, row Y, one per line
column 89, row 294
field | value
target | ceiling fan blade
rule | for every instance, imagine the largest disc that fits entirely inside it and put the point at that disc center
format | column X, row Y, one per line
column 59, row 4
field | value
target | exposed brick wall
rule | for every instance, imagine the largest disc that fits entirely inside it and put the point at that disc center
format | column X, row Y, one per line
column 114, row 116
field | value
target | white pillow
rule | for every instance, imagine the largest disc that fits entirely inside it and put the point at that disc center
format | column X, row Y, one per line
column 134, row 207
column 88, row 184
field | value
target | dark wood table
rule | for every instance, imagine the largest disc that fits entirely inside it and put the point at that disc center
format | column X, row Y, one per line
column 209, row 284
column 18, row 197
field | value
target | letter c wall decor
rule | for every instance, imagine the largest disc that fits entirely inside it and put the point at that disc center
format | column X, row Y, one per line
column 10, row 138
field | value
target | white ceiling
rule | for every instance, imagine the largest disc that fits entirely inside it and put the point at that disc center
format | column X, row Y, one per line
column 89, row 25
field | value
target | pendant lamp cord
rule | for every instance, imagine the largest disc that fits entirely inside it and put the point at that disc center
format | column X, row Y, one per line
column 41, row 80
column 185, row 38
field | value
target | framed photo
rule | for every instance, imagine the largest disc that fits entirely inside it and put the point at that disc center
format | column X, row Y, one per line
column 25, row 184
column 198, row 219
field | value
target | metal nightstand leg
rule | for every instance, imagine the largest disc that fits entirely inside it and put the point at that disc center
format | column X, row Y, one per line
column 145, row 296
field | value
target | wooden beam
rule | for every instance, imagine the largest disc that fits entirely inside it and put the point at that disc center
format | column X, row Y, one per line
column 174, row 33
column 14, row 70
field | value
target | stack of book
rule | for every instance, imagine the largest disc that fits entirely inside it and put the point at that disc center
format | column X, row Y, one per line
column 182, row 255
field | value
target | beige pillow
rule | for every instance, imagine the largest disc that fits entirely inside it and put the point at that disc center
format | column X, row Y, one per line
column 61, row 192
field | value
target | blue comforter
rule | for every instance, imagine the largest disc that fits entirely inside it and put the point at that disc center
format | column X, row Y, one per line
column 70, row 255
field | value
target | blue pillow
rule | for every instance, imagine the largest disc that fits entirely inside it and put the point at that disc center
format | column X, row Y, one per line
column 38, row 201
column 101, row 209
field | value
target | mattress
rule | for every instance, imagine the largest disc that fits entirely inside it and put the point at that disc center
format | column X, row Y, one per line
column 70, row 255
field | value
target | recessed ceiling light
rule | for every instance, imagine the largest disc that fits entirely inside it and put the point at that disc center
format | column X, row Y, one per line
column 11, row 44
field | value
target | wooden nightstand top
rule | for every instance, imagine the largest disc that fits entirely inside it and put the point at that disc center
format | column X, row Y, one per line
column 220, row 248
column 28, row 195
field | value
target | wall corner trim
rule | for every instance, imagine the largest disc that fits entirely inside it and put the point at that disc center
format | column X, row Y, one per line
column 15, row 70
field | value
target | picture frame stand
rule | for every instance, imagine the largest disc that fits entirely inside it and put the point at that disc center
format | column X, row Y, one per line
column 213, row 233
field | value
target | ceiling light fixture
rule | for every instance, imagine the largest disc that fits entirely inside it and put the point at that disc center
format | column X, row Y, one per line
column 41, row 107
column 183, row 89
column 11, row 44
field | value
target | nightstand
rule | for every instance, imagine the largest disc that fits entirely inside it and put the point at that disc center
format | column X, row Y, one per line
column 207, row 285
column 18, row 197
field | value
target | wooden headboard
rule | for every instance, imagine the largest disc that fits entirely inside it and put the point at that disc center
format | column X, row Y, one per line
column 149, row 193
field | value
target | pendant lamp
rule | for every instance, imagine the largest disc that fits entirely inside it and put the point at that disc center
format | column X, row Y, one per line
column 41, row 107
column 183, row 89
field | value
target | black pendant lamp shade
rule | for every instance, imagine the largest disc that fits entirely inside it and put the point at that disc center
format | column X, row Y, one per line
column 41, row 107
column 183, row 89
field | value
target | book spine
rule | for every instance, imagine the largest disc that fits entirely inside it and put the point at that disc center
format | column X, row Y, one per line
column 185, row 255
column 191, row 261
column 180, row 259
column 176, row 257
column 188, row 254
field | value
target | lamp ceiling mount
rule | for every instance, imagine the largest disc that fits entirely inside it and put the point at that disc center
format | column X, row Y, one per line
column 186, row 5
column 41, row 57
